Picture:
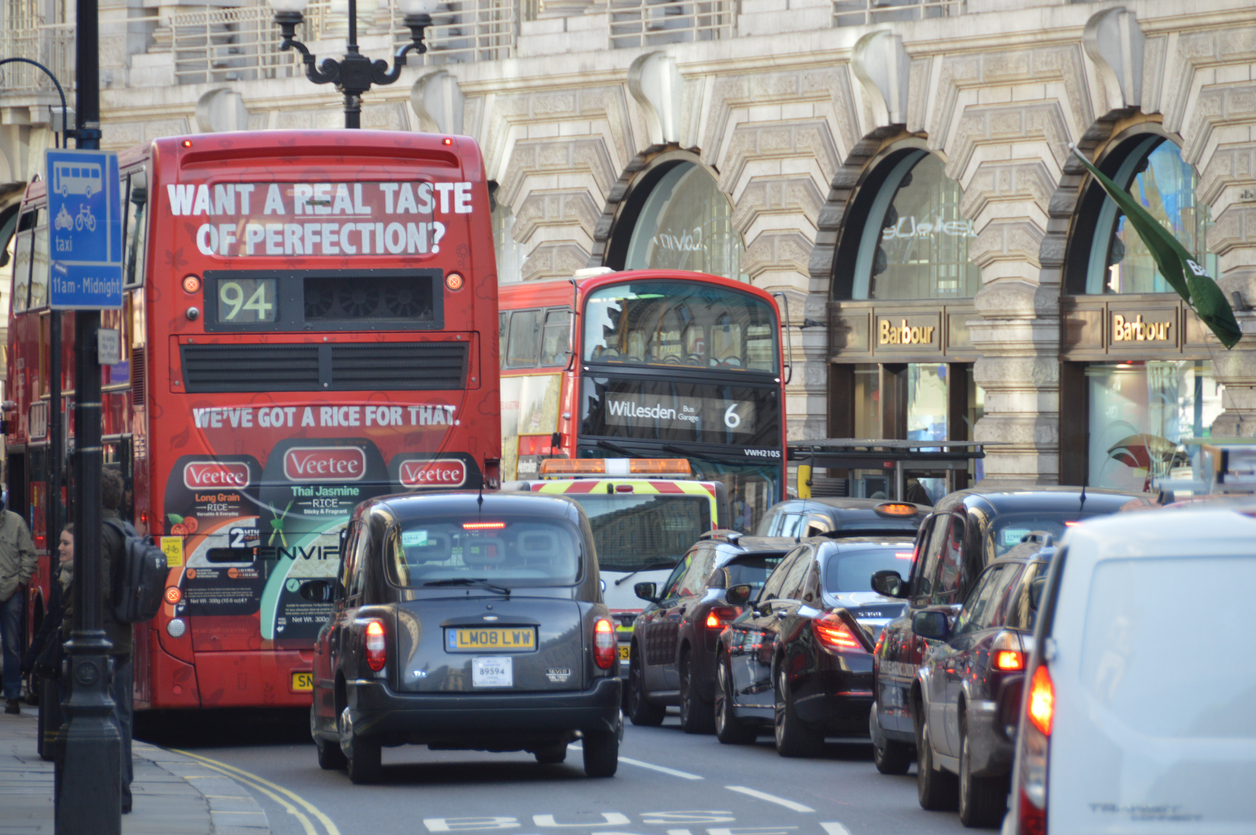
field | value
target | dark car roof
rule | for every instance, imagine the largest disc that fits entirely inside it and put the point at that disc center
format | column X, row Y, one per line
column 858, row 513
column 851, row 543
column 1042, row 498
column 464, row 502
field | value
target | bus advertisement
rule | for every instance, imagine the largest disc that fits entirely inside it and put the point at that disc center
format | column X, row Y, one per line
column 654, row 364
column 306, row 324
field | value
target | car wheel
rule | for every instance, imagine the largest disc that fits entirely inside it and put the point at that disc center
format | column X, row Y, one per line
column 601, row 753
column 793, row 739
column 935, row 788
column 888, row 755
column 551, row 754
column 982, row 800
column 362, row 756
column 696, row 716
column 639, row 709
column 728, row 728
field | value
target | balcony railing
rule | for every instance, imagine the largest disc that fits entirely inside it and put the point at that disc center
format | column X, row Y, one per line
column 865, row 12
column 638, row 23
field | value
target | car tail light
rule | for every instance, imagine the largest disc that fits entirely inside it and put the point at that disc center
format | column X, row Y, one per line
column 375, row 655
column 1006, row 653
column 1031, row 801
column 721, row 616
column 605, row 645
column 835, row 634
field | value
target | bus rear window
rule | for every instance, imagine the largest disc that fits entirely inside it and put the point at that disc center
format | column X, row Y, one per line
column 632, row 530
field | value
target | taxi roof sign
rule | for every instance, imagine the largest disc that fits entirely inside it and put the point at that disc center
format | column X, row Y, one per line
column 598, row 467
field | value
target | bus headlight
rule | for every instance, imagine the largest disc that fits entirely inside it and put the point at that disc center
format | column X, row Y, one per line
column 176, row 628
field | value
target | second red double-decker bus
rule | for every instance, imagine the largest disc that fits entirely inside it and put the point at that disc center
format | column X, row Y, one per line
column 308, row 322
column 647, row 364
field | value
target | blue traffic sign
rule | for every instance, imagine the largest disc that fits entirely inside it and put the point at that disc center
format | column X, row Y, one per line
column 85, row 213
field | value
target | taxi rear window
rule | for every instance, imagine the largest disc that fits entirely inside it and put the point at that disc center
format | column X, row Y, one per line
column 507, row 550
column 1007, row 531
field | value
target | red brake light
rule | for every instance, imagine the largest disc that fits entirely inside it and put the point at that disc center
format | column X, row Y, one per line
column 1009, row 659
column 721, row 616
column 1041, row 705
column 604, row 643
column 835, row 634
column 375, row 655
column 483, row 526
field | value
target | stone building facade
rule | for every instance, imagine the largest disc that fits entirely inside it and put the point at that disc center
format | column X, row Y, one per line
column 802, row 112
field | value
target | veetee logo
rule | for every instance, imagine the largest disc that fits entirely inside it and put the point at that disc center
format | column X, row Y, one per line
column 216, row 475
column 324, row 463
column 444, row 472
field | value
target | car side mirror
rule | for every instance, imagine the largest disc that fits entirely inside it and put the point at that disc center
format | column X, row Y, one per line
column 317, row 591
column 645, row 591
column 738, row 595
column 1008, row 707
column 889, row 583
column 931, row 624
column 1035, row 591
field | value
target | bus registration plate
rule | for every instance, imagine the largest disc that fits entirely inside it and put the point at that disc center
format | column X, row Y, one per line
column 302, row 682
column 497, row 638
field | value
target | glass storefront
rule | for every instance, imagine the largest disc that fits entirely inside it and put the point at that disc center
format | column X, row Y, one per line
column 1138, row 414
column 686, row 223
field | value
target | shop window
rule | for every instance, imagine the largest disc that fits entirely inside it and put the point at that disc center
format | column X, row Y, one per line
column 676, row 218
column 1107, row 255
column 1139, row 414
column 914, row 241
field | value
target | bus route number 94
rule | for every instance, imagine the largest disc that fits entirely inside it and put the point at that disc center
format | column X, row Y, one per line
column 246, row 300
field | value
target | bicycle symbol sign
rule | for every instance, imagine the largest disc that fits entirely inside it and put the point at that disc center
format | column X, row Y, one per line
column 83, row 199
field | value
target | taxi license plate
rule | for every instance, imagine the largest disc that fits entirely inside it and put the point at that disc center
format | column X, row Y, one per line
column 624, row 649
column 302, row 682
column 495, row 638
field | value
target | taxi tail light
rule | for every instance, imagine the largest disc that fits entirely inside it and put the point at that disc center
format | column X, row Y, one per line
column 605, row 644
column 375, row 655
column 1031, row 790
column 1006, row 653
column 835, row 634
column 721, row 616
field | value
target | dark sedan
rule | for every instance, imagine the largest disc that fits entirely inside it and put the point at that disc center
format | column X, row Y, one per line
column 675, row 636
column 841, row 517
column 973, row 652
column 799, row 660
column 466, row 621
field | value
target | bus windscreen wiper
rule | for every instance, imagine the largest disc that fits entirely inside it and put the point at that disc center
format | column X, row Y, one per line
column 654, row 566
column 477, row 582
column 607, row 445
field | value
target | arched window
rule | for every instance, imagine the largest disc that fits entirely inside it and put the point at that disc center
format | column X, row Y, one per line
column 676, row 218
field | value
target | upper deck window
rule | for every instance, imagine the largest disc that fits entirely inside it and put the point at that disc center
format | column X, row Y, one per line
column 679, row 323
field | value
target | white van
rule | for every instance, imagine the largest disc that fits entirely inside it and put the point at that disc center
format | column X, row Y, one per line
column 1139, row 714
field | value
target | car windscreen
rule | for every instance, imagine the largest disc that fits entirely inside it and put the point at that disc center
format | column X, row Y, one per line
column 510, row 551
column 1007, row 530
column 635, row 530
column 850, row 570
column 752, row 570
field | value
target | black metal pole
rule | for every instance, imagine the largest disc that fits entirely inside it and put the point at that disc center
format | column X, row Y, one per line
column 56, row 446
column 353, row 98
column 89, row 789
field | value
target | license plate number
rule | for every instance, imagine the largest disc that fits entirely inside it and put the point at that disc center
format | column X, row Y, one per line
column 493, row 672
column 491, row 638
column 302, row 682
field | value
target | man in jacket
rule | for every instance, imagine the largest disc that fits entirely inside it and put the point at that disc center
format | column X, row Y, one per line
column 17, row 563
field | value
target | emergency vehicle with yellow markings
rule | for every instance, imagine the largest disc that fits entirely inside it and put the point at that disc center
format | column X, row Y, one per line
column 645, row 514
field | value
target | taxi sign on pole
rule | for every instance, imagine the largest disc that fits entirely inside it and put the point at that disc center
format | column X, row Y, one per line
column 85, row 216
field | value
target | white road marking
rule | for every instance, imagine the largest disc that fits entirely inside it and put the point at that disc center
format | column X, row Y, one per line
column 771, row 798
column 835, row 828
column 664, row 769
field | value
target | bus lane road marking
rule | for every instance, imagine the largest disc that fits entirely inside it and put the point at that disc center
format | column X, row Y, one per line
column 684, row 775
column 271, row 790
column 771, row 798
column 546, row 824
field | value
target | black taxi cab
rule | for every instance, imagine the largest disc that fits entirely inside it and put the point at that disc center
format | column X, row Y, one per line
column 466, row 621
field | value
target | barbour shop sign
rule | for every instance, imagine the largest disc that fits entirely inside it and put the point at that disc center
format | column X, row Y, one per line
column 1136, row 330
column 904, row 333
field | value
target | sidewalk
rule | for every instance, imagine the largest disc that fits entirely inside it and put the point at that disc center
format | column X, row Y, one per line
column 172, row 794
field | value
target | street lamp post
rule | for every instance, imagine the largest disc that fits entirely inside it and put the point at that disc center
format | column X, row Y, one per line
column 353, row 74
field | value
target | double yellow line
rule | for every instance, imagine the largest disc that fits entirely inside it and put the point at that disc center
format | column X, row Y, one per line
column 275, row 792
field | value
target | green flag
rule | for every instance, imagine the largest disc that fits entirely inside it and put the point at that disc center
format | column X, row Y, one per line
column 1184, row 274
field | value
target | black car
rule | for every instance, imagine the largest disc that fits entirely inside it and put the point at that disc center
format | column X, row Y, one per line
column 973, row 653
column 799, row 660
column 846, row 517
column 676, row 634
column 967, row 530
column 470, row 621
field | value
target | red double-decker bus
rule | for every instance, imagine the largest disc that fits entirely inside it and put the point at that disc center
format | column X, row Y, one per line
column 307, row 322
column 647, row 364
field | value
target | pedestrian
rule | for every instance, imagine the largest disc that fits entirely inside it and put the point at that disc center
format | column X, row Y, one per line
column 43, row 658
column 112, row 545
column 17, row 563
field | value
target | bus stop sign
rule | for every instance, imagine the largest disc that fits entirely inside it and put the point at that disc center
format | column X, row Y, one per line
column 85, row 216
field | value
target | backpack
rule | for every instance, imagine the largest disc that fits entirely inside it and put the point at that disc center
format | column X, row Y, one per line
column 139, row 578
